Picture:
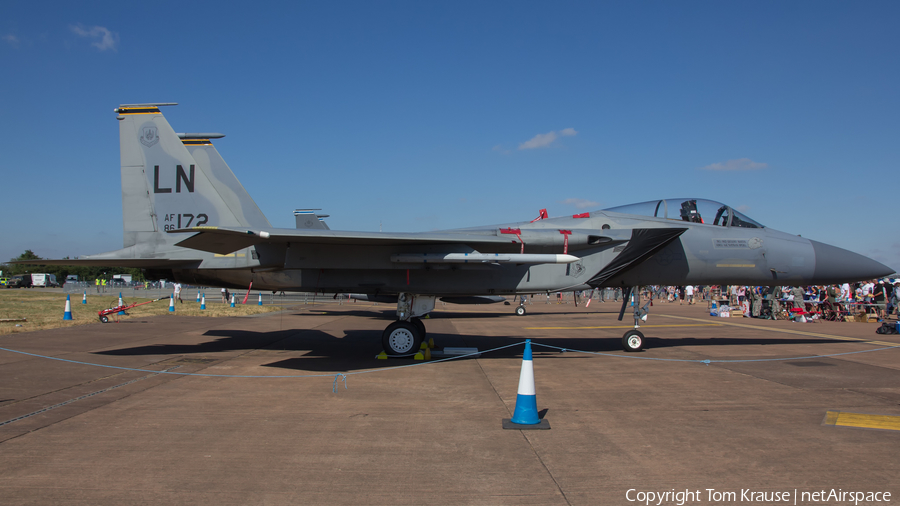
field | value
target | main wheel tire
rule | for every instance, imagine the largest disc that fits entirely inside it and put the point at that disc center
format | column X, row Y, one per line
column 520, row 310
column 633, row 340
column 401, row 338
column 104, row 319
column 419, row 325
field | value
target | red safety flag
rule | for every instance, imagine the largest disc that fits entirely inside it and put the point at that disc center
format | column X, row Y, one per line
column 248, row 293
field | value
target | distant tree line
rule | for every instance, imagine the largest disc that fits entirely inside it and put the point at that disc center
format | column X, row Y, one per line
column 84, row 273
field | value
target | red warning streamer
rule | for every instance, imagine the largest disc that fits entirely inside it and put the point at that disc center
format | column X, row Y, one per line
column 517, row 232
column 248, row 292
column 565, row 234
column 543, row 216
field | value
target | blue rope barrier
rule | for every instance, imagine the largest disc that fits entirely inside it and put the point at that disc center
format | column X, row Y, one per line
column 328, row 375
column 343, row 376
column 708, row 361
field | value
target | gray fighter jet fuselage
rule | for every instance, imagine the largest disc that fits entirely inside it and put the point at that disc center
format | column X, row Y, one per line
column 188, row 218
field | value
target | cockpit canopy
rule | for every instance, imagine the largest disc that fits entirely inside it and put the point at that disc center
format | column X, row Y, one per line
column 690, row 210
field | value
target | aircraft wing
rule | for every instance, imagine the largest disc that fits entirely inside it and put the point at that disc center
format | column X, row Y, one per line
column 223, row 240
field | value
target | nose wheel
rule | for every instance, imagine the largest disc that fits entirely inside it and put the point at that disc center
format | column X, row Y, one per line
column 633, row 340
column 520, row 311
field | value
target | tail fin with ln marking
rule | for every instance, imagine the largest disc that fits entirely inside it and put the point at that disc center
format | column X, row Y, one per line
column 165, row 188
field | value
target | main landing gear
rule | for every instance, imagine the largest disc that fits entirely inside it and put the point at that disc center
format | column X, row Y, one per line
column 404, row 337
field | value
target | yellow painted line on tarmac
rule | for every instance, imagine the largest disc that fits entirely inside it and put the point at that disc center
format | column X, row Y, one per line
column 790, row 331
column 454, row 310
column 844, row 419
column 624, row 326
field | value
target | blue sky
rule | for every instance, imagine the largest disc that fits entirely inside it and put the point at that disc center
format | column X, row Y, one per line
column 417, row 116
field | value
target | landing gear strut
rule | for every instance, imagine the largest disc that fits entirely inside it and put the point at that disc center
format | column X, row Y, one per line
column 404, row 337
column 633, row 340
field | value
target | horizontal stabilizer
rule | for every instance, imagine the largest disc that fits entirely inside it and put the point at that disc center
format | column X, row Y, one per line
column 220, row 240
column 136, row 263
column 200, row 135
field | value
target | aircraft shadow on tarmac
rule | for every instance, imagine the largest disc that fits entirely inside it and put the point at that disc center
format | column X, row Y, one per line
column 356, row 350
column 390, row 314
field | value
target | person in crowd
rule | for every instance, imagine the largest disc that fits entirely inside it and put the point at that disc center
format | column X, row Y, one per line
column 879, row 299
column 829, row 308
column 798, row 293
column 845, row 292
column 755, row 301
column 895, row 298
column 774, row 303
column 868, row 293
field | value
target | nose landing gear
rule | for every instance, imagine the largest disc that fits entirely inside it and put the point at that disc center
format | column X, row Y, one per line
column 633, row 340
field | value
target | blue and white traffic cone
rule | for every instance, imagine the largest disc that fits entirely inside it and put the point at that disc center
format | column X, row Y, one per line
column 84, row 298
column 526, row 413
column 203, row 301
column 121, row 303
column 171, row 304
column 232, row 300
column 260, row 299
column 68, row 314
column 198, row 295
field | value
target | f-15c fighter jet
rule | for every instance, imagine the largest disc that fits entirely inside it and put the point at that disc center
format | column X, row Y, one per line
column 188, row 218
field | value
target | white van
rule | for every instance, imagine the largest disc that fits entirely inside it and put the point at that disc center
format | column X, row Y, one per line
column 45, row 280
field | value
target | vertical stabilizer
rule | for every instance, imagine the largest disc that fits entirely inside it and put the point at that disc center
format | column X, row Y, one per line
column 308, row 219
column 164, row 188
column 201, row 148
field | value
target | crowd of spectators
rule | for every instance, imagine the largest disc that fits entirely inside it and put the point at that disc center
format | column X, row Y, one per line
column 880, row 297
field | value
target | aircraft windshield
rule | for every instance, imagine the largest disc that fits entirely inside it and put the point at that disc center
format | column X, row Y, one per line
column 691, row 210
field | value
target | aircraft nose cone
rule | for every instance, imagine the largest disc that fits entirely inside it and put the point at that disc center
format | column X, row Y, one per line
column 836, row 265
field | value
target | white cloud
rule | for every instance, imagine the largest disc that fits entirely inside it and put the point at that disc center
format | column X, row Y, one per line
column 581, row 203
column 500, row 149
column 739, row 164
column 12, row 39
column 545, row 140
column 104, row 39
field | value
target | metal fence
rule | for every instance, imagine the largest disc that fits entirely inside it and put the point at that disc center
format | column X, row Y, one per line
column 192, row 293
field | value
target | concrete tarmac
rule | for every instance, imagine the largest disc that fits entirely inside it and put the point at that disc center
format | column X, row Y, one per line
column 269, row 420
